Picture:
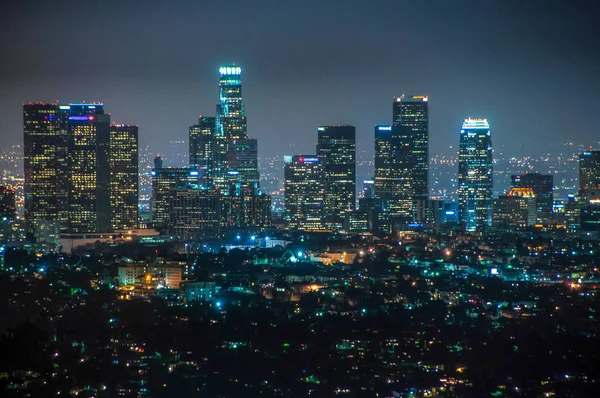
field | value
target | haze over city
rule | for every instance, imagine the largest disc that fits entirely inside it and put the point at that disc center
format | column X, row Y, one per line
column 529, row 67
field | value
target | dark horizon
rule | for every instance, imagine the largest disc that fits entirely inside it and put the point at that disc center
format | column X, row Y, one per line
column 529, row 68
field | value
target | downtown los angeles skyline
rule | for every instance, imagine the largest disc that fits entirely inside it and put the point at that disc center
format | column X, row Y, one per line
column 519, row 65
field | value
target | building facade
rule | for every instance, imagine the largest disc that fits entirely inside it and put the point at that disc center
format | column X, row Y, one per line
column 543, row 189
column 475, row 175
column 393, row 172
column 305, row 193
column 124, row 177
column 412, row 111
column 202, row 147
column 46, row 170
column 336, row 146
column 589, row 170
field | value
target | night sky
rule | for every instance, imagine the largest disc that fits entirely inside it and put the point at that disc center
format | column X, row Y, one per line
column 531, row 67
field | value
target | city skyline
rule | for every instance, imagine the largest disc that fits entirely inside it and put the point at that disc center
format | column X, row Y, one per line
column 522, row 93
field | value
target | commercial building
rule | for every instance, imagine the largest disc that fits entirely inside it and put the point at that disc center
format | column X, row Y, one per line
column 150, row 275
column 475, row 175
column 543, row 188
column 393, row 172
column 589, row 170
column 517, row 209
column 202, row 147
column 412, row 111
column 164, row 180
column 336, row 146
column 124, row 177
column 46, row 167
column 194, row 213
column 305, row 193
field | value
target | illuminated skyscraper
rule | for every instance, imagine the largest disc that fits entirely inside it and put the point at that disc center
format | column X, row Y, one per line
column 475, row 175
column 589, row 171
column 89, row 182
column 412, row 111
column 194, row 212
column 242, row 165
column 8, row 207
column 46, row 170
column 305, row 193
column 393, row 167
column 202, row 146
column 231, row 119
column 542, row 186
column 164, row 180
column 124, row 184
column 336, row 146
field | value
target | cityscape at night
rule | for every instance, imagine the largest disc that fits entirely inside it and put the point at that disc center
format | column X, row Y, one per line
column 317, row 199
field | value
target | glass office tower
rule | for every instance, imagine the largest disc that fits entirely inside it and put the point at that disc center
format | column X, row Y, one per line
column 412, row 111
column 305, row 193
column 475, row 175
column 336, row 146
column 124, row 178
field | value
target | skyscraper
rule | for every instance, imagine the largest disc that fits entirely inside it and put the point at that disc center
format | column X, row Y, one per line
column 124, row 184
column 231, row 118
column 194, row 212
column 542, row 186
column 393, row 168
column 475, row 175
column 8, row 207
column 164, row 180
column 46, row 169
column 336, row 146
column 89, row 171
column 589, row 171
column 202, row 146
column 413, row 112
column 242, row 165
column 305, row 193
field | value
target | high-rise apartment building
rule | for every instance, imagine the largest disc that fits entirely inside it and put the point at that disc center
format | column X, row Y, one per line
column 412, row 111
column 336, row 146
column 46, row 170
column 202, row 147
column 393, row 171
column 305, row 192
column 124, row 177
column 475, row 175
column 543, row 187
column 589, row 170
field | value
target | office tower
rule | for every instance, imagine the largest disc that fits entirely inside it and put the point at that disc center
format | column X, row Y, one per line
column 589, row 170
column 194, row 212
column 247, row 209
column 124, row 184
column 46, row 170
column 368, row 191
column 393, row 168
column 428, row 212
column 164, row 180
column 305, row 193
column 242, row 165
column 89, row 171
column 336, row 146
column 158, row 162
column 8, row 207
column 475, row 175
column 8, row 213
column 231, row 118
column 413, row 112
column 516, row 209
column 542, row 186
column 202, row 145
